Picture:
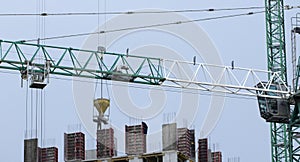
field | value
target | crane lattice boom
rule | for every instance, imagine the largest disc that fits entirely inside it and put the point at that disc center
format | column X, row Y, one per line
column 34, row 59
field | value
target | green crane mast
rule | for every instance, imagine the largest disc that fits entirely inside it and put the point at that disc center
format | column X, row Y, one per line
column 276, row 54
column 285, row 136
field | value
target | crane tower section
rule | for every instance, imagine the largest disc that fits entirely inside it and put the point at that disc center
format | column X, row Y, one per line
column 276, row 55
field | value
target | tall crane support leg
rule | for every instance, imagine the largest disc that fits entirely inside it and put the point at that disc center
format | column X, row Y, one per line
column 294, row 126
column 276, row 54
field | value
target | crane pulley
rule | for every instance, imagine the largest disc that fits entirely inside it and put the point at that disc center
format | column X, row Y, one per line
column 38, row 75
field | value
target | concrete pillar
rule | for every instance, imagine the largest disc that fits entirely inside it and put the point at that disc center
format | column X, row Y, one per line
column 31, row 150
column 169, row 136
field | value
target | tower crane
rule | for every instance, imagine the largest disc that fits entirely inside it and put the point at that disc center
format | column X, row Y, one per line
column 276, row 55
column 271, row 87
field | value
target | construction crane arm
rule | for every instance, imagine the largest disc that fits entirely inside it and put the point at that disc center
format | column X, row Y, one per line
column 223, row 79
column 32, row 58
column 37, row 61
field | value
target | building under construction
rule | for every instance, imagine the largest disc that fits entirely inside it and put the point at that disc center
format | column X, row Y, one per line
column 105, row 143
column 203, row 150
column 169, row 137
column 48, row 154
column 136, row 139
column 216, row 156
column 186, row 142
column 179, row 139
column 74, row 146
column 193, row 145
column 205, row 154
column 178, row 145
column 30, row 150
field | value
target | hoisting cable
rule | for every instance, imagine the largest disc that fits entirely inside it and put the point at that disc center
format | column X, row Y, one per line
column 44, row 113
column 41, row 124
column 147, row 26
column 43, row 14
column 98, row 36
column 287, row 7
column 105, row 45
column 31, row 116
column 43, row 31
column 26, row 116
column 36, row 112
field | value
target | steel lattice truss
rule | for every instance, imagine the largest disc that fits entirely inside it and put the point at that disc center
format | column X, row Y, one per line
column 294, row 126
column 276, row 54
column 80, row 63
column 224, row 79
column 24, row 57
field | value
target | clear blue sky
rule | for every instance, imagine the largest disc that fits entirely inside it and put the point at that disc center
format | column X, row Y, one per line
column 240, row 131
